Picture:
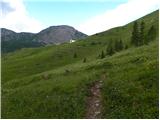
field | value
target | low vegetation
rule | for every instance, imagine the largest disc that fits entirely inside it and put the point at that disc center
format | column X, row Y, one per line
column 53, row 81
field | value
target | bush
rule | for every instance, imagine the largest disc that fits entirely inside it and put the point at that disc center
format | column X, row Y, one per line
column 84, row 60
column 102, row 55
column 75, row 55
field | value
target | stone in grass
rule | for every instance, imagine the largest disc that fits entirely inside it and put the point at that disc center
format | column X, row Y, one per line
column 100, row 81
column 45, row 76
column 97, row 101
column 97, row 104
column 97, row 112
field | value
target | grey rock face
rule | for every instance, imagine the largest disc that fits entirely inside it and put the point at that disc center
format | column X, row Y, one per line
column 59, row 34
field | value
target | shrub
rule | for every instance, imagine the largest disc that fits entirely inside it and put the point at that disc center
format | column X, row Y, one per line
column 84, row 60
column 75, row 55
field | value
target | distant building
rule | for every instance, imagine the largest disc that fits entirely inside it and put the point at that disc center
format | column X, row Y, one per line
column 71, row 41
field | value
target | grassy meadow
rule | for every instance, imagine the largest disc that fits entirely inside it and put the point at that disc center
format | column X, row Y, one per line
column 53, row 82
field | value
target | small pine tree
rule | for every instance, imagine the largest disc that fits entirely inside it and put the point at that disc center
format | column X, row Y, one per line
column 117, row 45
column 102, row 55
column 120, row 45
column 75, row 55
column 84, row 60
column 135, row 35
column 151, row 34
column 142, row 37
column 126, row 47
column 110, row 50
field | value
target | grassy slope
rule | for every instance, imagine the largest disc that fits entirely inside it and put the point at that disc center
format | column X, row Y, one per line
column 131, row 87
column 35, row 83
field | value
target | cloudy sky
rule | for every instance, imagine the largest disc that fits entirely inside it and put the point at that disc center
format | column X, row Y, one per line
column 88, row 16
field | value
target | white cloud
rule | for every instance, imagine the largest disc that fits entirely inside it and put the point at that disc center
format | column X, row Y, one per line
column 119, row 16
column 14, row 16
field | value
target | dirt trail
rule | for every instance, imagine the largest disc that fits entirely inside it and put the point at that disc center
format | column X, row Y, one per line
column 94, row 105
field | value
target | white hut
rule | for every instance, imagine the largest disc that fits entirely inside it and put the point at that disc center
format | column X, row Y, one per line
column 71, row 41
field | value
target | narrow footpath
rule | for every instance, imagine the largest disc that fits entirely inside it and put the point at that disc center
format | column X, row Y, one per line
column 94, row 105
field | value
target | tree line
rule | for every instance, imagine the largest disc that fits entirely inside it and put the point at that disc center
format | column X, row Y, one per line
column 113, row 47
column 138, row 38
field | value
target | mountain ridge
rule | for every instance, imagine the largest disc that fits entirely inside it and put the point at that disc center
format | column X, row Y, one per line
column 58, row 34
column 51, row 35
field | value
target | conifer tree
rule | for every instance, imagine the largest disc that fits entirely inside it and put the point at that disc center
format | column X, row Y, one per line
column 102, row 55
column 135, row 35
column 142, row 37
column 84, row 60
column 110, row 50
column 126, row 47
column 120, row 45
column 75, row 55
column 117, row 46
column 151, row 34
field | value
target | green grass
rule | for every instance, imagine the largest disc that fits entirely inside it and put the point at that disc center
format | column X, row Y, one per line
column 131, row 87
column 57, row 97
column 48, row 82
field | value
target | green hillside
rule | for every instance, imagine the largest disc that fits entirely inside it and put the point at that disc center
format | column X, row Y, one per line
column 53, row 81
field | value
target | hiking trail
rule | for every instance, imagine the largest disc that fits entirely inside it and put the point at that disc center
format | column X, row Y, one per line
column 94, row 101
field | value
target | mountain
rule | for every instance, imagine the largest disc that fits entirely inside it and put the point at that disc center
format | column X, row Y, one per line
column 55, row 81
column 9, row 35
column 59, row 34
column 6, row 32
column 12, row 41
